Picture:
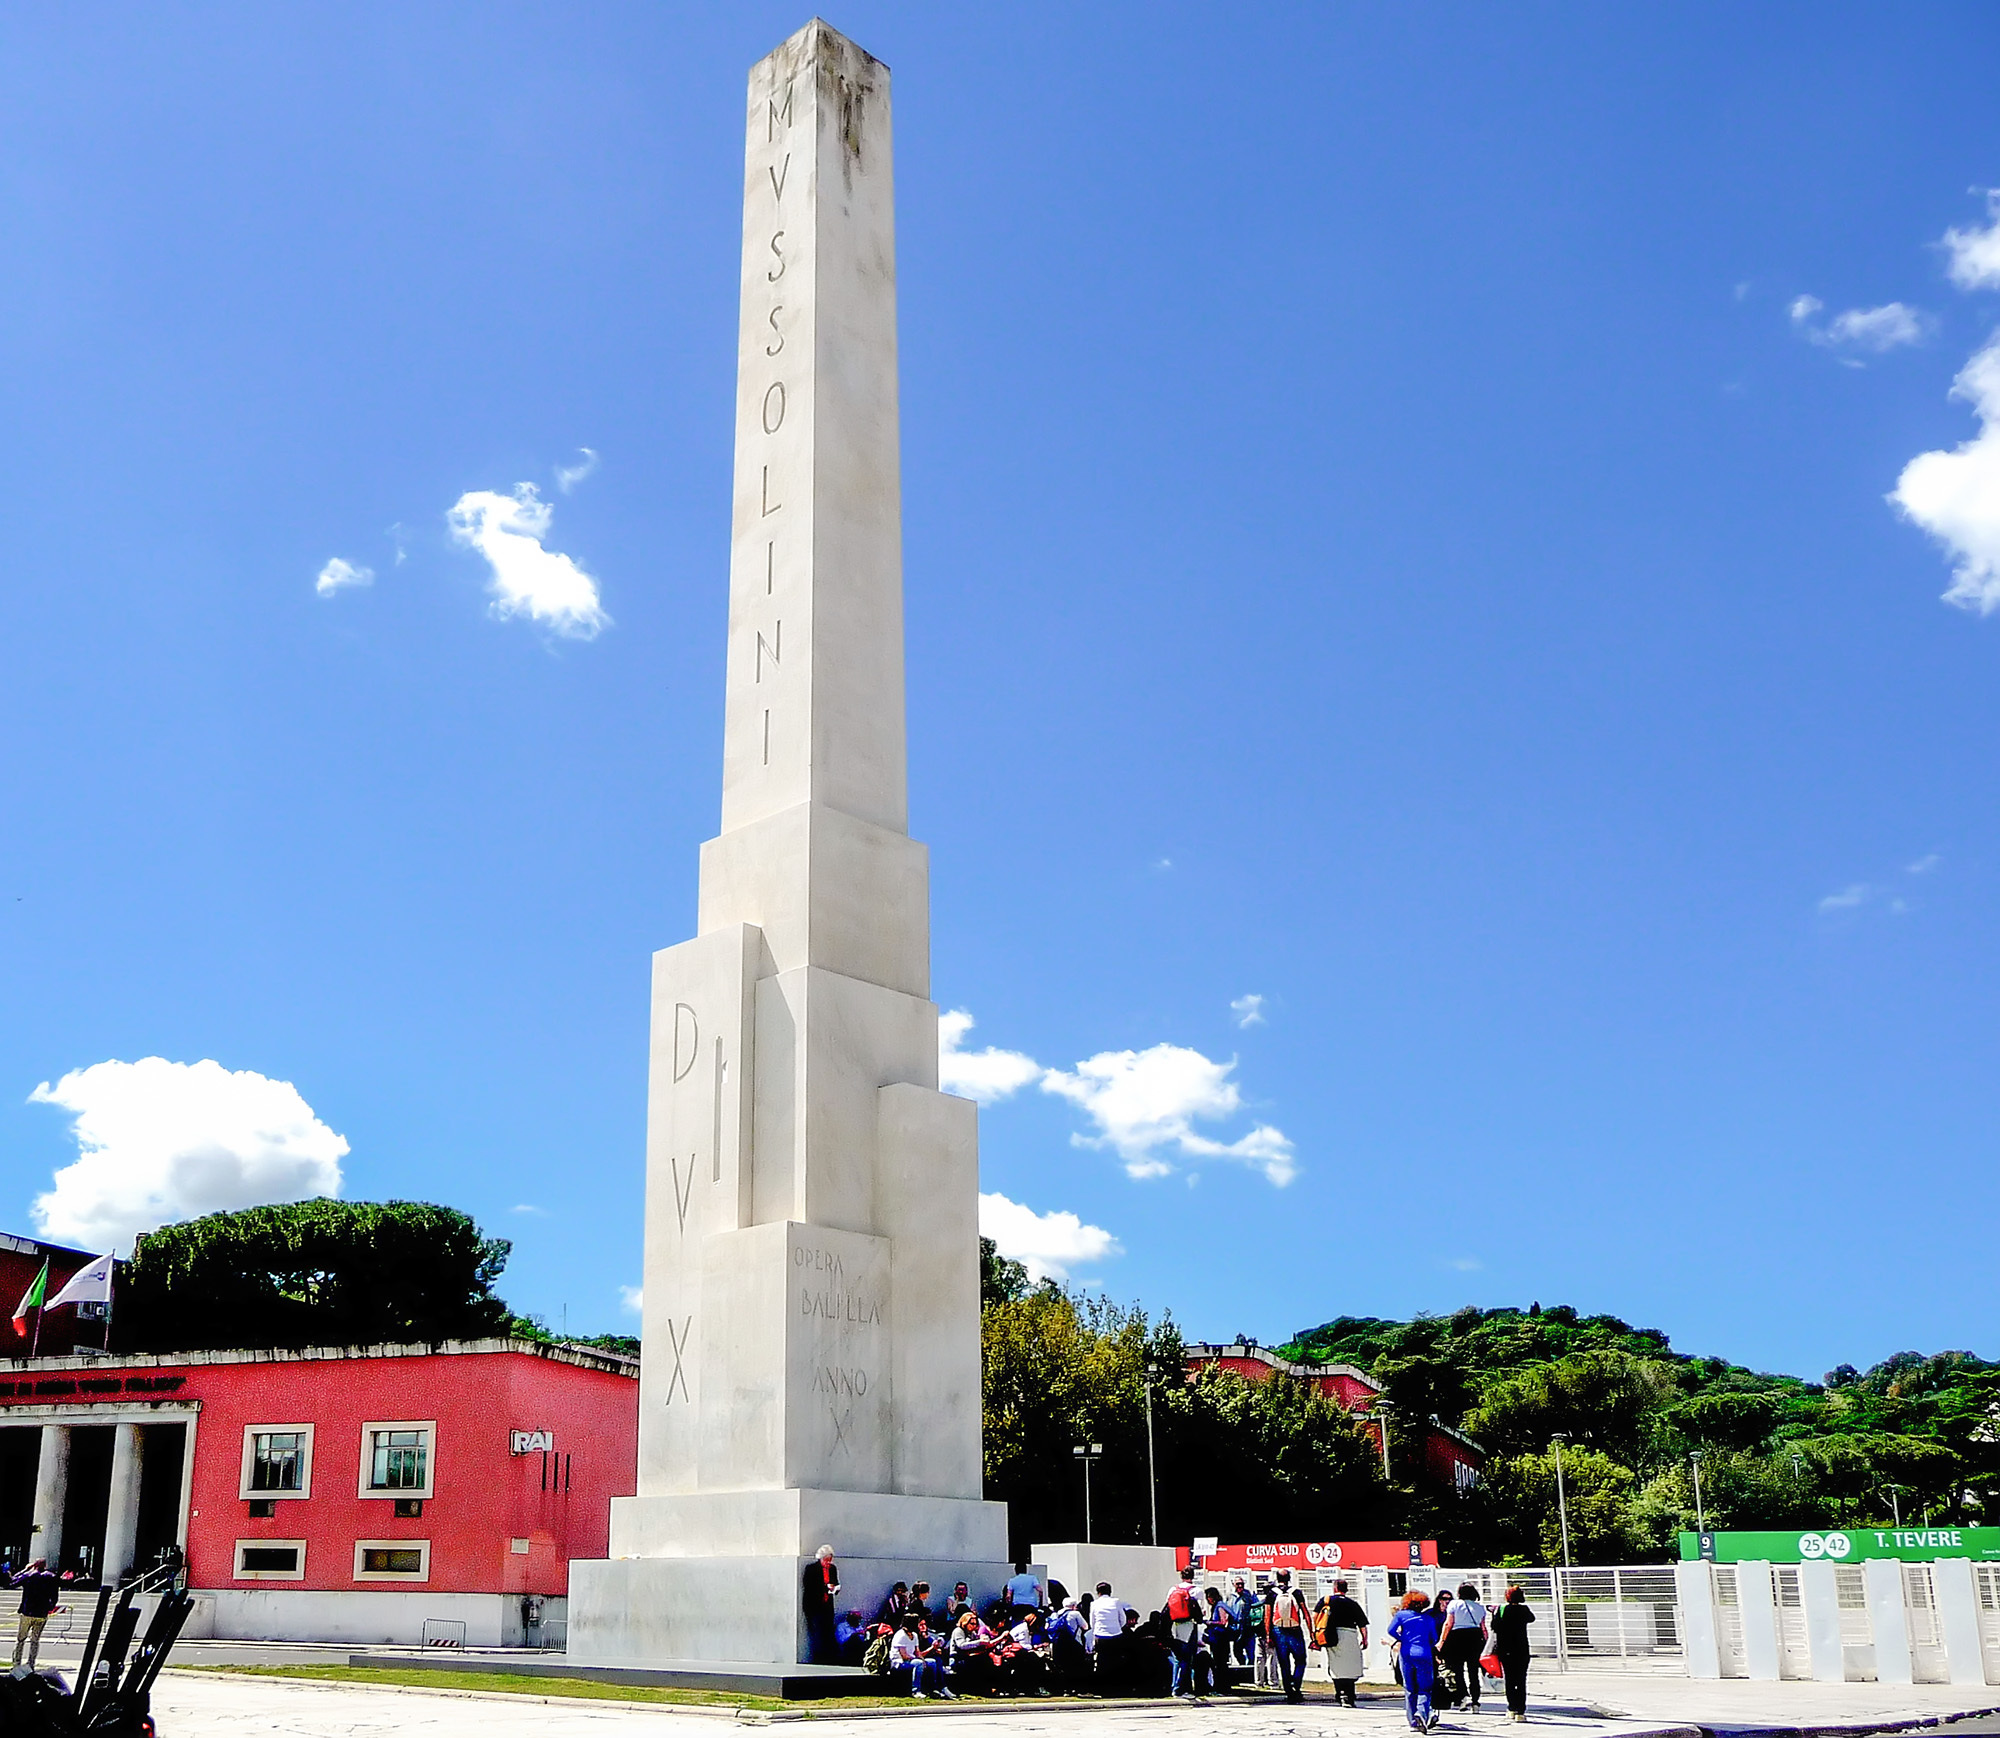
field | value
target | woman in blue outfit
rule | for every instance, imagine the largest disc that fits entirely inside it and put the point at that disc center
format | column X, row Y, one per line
column 1413, row 1634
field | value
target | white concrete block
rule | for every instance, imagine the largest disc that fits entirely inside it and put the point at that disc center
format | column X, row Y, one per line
column 1958, row 1618
column 1819, row 1595
column 796, row 1522
column 1757, row 1600
column 1883, row 1579
column 1139, row 1574
column 1694, row 1600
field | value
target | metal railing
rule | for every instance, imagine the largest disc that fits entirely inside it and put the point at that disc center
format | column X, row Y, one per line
column 1613, row 1618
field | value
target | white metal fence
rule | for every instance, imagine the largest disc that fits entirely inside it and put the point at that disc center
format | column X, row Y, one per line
column 1606, row 1619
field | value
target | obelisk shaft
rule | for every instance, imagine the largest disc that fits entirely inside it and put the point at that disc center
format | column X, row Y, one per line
column 814, row 845
column 815, row 708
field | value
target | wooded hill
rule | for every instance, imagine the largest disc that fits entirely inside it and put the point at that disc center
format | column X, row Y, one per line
column 1774, row 1451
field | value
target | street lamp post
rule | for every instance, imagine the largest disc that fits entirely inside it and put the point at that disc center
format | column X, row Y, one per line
column 1087, row 1452
column 1158, row 1369
column 1895, row 1508
column 1562, row 1498
column 1383, row 1413
column 1700, row 1518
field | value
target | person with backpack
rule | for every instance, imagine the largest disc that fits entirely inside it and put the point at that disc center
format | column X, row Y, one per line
column 1184, row 1632
column 1346, row 1640
column 1285, row 1622
column 1216, row 1637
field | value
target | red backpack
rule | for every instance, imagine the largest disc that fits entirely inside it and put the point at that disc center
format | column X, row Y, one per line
column 1180, row 1602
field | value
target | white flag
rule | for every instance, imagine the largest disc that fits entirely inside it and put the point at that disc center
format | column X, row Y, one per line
column 92, row 1285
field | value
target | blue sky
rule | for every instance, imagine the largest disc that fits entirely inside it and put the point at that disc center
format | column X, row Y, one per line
column 1384, row 535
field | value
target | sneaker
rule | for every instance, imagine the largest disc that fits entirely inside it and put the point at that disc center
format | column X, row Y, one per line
column 947, row 1693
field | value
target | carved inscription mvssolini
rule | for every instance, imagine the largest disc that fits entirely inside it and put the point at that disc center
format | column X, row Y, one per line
column 773, row 396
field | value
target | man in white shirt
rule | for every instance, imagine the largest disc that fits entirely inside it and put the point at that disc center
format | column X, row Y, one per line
column 911, row 1652
column 1108, row 1643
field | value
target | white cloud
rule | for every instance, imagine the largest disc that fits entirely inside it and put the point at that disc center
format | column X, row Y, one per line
column 529, row 1208
column 1955, row 496
column 527, row 579
column 1849, row 898
column 1146, row 1103
column 1048, row 1245
column 1923, row 865
column 568, row 476
column 1875, row 329
column 160, row 1141
column 1249, row 1010
column 338, row 575
column 633, row 1298
column 1975, row 253
column 986, row 1076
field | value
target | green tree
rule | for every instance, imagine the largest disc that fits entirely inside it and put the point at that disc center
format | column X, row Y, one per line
column 308, row 1273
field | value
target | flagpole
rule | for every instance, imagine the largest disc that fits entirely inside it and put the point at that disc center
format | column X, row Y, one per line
column 109, row 1274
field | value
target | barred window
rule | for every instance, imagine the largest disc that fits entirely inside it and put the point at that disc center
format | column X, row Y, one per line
column 398, row 1460
column 277, row 1460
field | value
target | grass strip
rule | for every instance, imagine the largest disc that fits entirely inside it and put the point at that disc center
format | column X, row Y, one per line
column 519, row 1684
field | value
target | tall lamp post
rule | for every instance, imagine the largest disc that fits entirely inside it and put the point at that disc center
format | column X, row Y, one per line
column 1562, row 1498
column 1087, row 1452
column 1383, row 1412
column 1700, row 1517
column 1896, row 1508
column 1158, row 1369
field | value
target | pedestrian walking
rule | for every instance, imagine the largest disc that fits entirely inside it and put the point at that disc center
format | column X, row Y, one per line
column 1184, row 1633
column 1510, row 1642
column 1347, row 1638
column 1285, row 1621
column 1464, row 1640
column 1413, row 1634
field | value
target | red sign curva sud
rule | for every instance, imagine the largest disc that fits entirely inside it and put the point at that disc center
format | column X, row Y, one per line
column 1326, row 1554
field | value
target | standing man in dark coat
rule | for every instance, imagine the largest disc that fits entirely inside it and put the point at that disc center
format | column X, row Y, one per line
column 821, row 1587
column 39, row 1593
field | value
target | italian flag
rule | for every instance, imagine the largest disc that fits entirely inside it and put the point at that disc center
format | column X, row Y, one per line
column 31, row 1299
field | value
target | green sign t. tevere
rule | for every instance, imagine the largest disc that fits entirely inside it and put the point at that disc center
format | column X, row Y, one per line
column 1853, row 1545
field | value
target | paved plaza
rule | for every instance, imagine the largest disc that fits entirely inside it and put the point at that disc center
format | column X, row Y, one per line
column 197, row 1705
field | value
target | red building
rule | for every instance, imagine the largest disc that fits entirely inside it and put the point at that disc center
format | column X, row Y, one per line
column 342, row 1494
column 1450, row 1456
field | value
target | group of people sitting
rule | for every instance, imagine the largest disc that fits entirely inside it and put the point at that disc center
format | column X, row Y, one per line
column 1029, row 1641
column 1035, row 1640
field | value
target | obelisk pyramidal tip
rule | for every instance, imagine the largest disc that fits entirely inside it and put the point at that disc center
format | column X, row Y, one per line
column 811, row 1334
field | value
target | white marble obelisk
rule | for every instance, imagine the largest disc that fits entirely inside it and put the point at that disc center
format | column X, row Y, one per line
column 812, row 1289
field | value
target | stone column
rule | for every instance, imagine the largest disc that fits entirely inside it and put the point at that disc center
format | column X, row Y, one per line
column 121, row 1518
column 51, row 1494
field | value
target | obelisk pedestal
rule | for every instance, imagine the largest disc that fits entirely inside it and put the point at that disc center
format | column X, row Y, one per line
column 811, row 1372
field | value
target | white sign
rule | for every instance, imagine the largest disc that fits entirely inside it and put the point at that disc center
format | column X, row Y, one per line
column 1329, row 1555
column 1835, row 1545
column 1205, row 1547
column 531, row 1441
